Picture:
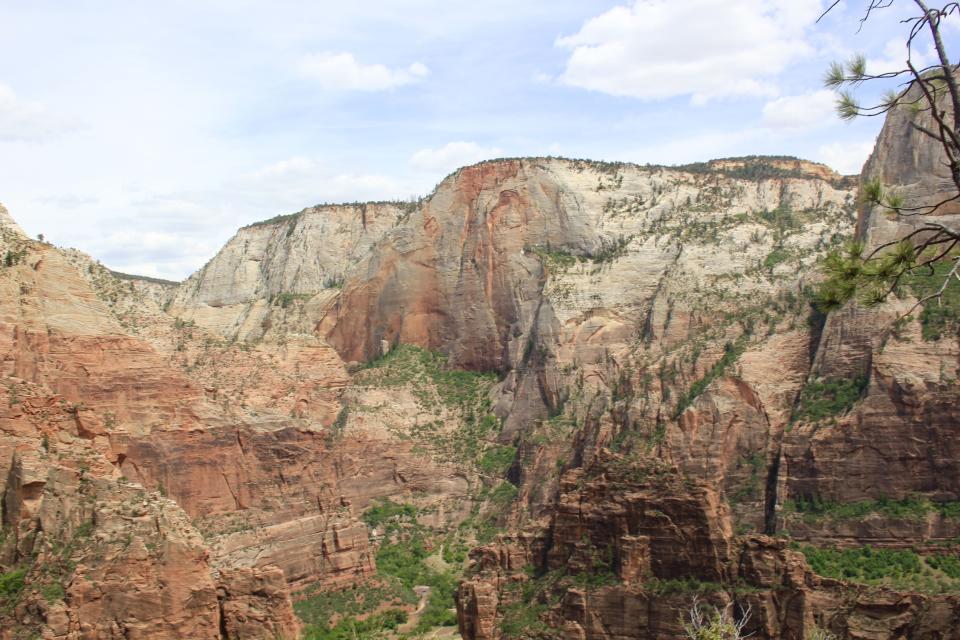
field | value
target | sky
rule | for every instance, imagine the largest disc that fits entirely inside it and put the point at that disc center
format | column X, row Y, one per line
column 146, row 133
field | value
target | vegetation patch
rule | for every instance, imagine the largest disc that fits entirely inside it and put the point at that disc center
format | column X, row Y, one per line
column 902, row 569
column 560, row 260
column 610, row 251
column 290, row 217
column 775, row 257
column 333, row 282
column 747, row 167
column 410, row 364
column 401, row 566
column 437, row 386
column 938, row 318
column 375, row 626
column 13, row 258
column 497, row 459
column 828, row 397
column 285, row 299
column 135, row 277
column 11, row 586
column 523, row 620
column 323, row 607
column 910, row 508
column 405, row 561
column 527, row 600
column 555, row 260
column 390, row 514
column 731, row 352
column 686, row 586
column 503, row 494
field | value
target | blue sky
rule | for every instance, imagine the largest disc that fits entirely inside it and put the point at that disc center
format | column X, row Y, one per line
column 145, row 133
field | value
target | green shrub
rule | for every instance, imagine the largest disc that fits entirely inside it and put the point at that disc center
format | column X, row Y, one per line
column 774, row 258
column 13, row 258
column 557, row 260
column 405, row 561
column 748, row 168
column 53, row 592
column 504, row 493
column 11, row 586
column 319, row 606
column 610, row 251
column 438, row 612
column 290, row 217
column 686, row 585
column 389, row 512
column 731, row 352
column 333, row 282
column 903, row 569
column 909, row 508
column 830, row 397
column 375, row 626
column 497, row 459
column 522, row 620
column 285, row 299
column 938, row 318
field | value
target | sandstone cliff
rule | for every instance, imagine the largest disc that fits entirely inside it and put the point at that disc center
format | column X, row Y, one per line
column 269, row 269
column 833, row 432
column 616, row 367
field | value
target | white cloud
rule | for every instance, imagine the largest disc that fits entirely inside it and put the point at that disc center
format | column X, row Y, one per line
column 895, row 57
column 22, row 121
column 696, row 147
column 702, row 48
column 290, row 166
column 343, row 72
column 300, row 181
column 452, row 155
column 846, row 157
column 801, row 113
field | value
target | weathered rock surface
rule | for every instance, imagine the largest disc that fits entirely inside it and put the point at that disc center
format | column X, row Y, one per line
column 900, row 440
column 301, row 258
column 179, row 458
column 100, row 557
column 625, row 557
column 742, row 432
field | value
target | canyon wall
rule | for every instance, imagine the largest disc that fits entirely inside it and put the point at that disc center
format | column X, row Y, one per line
column 178, row 460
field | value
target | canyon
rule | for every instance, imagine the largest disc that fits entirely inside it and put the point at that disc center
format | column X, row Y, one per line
column 567, row 398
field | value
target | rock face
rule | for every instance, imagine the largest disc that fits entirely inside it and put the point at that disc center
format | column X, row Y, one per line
column 626, row 557
column 300, row 258
column 483, row 244
column 179, row 459
column 91, row 555
column 900, row 438
column 161, row 481
column 797, row 428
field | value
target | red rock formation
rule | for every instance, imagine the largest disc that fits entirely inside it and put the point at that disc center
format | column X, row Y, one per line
column 665, row 544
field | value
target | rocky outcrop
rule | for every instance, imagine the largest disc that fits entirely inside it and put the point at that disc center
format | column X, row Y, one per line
column 206, row 449
column 625, row 557
column 481, row 246
column 268, row 270
column 792, row 428
column 90, row 552
column 899, row 440
column 255, row 604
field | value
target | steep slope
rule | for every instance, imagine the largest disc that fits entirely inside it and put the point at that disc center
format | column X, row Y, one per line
column 606, row 377
column 87, row 554
column 607, row 292
column 161, row 481
column 266, row 267
column 832, row 435
column 899, row 441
